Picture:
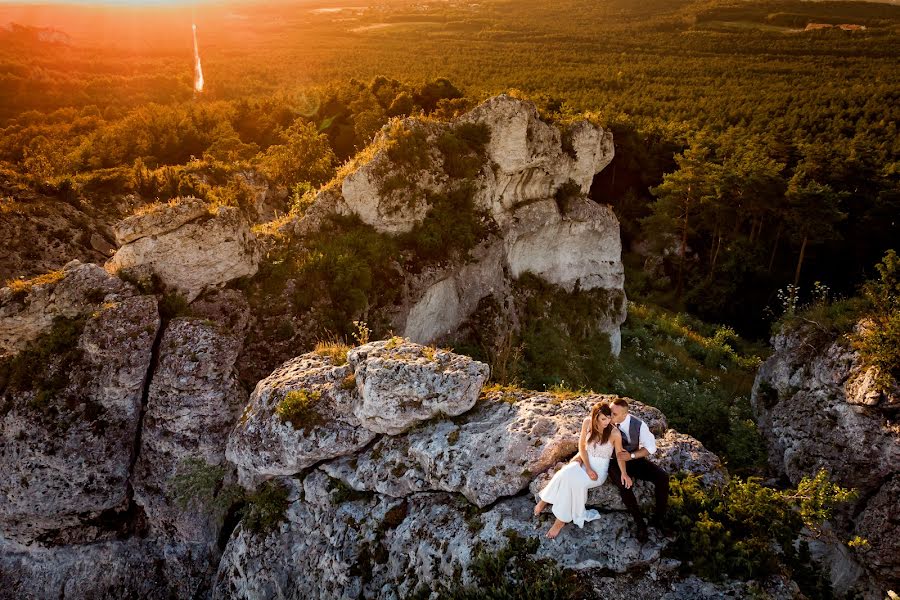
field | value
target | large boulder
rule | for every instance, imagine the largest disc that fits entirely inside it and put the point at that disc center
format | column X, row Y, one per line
column 263, row 443
column 401, row 383
column 818, row 408
column 28, row 308
column 188, row 248
column 68, row 435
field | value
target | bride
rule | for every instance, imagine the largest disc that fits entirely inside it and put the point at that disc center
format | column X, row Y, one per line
column 567, row 491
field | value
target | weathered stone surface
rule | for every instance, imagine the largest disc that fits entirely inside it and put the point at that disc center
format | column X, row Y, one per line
column 401, row 384
column 491, row 452
column 65, row 459
column 817, row 407
column 76, row 290
column 262, row 445
column 192, row 405
column 879, row 524
column 388, row 548
column 111, row 570
column 157, row 219
column 190, row 252
column 529, row 155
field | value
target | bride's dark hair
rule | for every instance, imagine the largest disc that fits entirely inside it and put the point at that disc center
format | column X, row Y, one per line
column 596, row 410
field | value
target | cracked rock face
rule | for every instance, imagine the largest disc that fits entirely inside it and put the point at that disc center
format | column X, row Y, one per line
column 816, row 411
column 189, row 249
column 66, row 455
column 401, row 384
column 192, row 404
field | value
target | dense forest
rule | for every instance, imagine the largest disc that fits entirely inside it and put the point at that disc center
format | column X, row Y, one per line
column 752, row 154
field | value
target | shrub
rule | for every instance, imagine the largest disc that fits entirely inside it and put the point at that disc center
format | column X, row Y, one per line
column 879, row 342
column 265, row 508
column 747, row 530
column 201, row 485
column 299, row 408
column 22, row 287
column 172, row 305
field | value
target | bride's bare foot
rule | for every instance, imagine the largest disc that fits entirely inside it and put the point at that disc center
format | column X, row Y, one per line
column 539, row 508
column 557, row 527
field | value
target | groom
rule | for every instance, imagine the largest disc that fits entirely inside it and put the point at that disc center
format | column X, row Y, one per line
column 637, row 444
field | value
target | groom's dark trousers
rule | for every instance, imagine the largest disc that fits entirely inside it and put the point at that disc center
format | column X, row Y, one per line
column 641, row 468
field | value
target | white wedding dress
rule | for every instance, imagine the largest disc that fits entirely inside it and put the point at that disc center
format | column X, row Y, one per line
column 567, row 491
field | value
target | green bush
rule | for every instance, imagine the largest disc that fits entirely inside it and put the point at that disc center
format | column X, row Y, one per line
column 299, row 408
column 463, row 149
column 879, row 342
column 747, row 530
column 265, row 508
column 201, row 486
column 44, row 366
column 451, row 228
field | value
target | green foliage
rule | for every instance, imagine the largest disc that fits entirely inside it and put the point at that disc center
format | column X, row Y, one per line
column 173, row 305
column 265, row 507
column 748, row 531
column 451, row 228
column 513, row 572
column 462, row 147
column 299, row 408
column 199, row 485
column 305, row 156
column 341, row 492
column 43, row 368
column 879, row 342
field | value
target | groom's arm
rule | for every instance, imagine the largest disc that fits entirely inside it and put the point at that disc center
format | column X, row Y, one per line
column 647, row 442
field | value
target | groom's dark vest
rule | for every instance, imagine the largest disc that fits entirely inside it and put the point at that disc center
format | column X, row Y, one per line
column 632, row 440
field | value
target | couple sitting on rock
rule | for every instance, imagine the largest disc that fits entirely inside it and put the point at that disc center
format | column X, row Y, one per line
column 609, row 431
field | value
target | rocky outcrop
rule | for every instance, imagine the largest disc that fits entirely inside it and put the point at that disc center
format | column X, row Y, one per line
column 411, row 511
column 382, row 547
column 495, row 451
column 527, row 179
column 186, row 247
column 401, row 384
column 69, row 436
column 817, row 412
column 28, row 308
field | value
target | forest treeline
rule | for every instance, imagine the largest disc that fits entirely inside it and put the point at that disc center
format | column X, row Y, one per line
column 751, row 159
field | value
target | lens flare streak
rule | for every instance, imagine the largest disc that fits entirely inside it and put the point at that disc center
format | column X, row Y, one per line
column 198, row 70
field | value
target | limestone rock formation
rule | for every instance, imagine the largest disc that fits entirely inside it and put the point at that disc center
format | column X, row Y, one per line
column 495, row 451
column 186, row 247
column 263, row 444
column 68, row 436
column 28, row 310
column 401, row 383
column 816, row 411
column 192, row 404
column 528, row 180
column 383, row 547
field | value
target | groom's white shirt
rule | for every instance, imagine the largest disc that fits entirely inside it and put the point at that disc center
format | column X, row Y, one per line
column 645, row 439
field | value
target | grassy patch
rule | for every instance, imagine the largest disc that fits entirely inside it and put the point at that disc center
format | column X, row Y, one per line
column 299, row 408
column 201, row 486
column 334, row 350
column 21, row 287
